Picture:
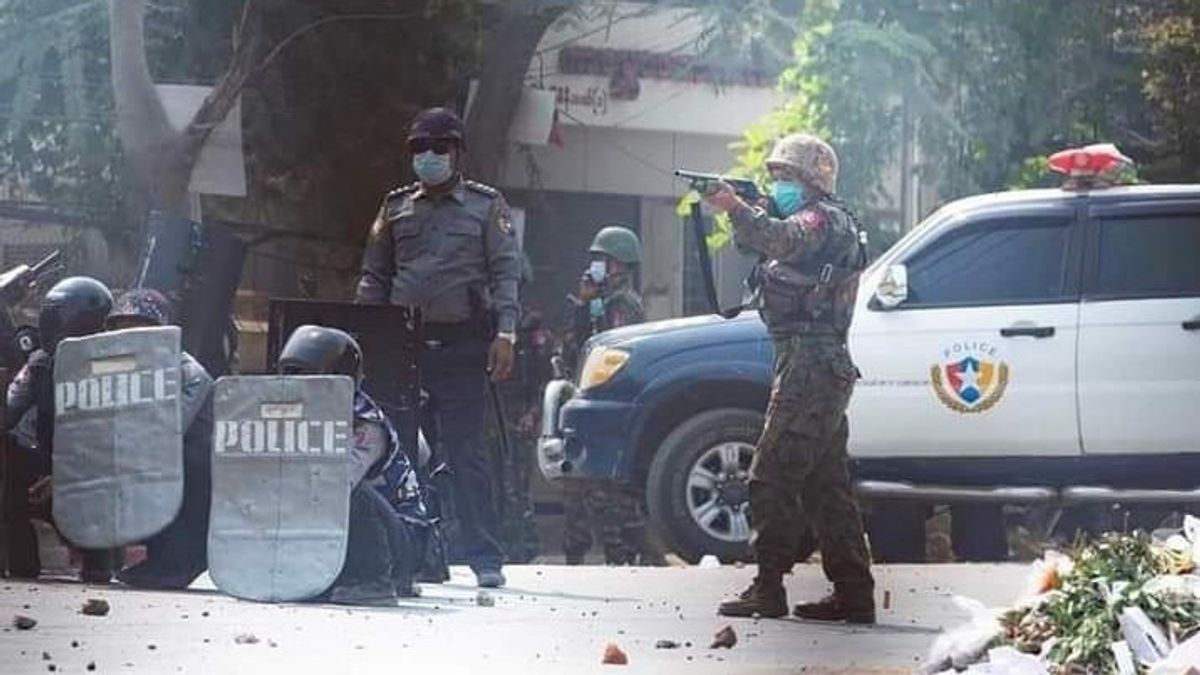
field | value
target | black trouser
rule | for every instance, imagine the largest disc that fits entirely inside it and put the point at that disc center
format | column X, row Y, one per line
column 183, row 544
column 454, row 372
column 23, row 467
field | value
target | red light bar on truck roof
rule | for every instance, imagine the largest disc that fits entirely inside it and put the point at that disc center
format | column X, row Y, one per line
column 1089, row 167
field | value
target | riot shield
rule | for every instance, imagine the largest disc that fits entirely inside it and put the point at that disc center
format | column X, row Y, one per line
column 282, row 473
column 118, row 441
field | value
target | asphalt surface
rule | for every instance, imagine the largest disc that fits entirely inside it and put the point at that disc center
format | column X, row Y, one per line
column 551, row 619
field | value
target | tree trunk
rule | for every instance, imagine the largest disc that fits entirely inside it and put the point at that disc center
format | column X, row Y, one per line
column 508, row 45
column 152, row 148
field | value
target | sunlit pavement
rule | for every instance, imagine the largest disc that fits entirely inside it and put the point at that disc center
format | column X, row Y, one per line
column 550, row 619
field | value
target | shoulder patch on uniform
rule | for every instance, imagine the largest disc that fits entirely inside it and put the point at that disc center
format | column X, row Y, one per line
column 811, row 218
column 403, row 190
column 480, row 187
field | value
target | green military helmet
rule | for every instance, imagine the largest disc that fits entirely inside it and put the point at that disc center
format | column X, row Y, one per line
column 619, row 242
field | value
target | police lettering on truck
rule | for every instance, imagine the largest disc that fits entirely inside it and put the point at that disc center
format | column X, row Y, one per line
column 281, row 429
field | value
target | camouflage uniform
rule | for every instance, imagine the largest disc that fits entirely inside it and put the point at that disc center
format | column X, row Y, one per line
column 616, row 511
column 810, row 256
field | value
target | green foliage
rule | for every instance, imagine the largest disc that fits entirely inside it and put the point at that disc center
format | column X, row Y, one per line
column 992, row 89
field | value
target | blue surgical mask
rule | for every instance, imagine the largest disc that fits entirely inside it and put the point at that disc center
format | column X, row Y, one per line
column 432, row 168
column 788, row 197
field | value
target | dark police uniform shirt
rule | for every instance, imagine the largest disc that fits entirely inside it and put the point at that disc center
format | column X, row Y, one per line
column 452, row 255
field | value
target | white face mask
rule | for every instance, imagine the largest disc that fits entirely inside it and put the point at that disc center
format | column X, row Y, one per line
column 598, row 271
column 432, row 168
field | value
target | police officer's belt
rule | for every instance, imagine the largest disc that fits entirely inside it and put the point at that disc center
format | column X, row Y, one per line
column 471, row 329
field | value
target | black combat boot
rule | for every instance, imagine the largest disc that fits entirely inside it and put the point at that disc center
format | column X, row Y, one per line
column 374, row 593
column 836, row 607
column 765, row 597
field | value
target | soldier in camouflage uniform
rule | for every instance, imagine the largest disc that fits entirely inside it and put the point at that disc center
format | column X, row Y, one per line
column 606, row 300
column 812, row 256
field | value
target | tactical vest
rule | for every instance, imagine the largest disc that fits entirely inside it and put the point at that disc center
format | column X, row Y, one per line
column 816, row 292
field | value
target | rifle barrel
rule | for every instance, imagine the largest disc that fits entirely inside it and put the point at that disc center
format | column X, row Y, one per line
column 45, row 263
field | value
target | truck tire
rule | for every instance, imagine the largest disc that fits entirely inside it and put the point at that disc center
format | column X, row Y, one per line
column 697, row 490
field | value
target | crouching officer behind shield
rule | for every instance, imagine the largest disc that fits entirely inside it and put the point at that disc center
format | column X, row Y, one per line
column 74, row 307
column 445, row 245
column 812, row 255
column 389, row 528
column 178, row 554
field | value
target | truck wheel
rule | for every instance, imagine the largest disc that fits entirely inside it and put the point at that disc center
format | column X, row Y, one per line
column 698, row 488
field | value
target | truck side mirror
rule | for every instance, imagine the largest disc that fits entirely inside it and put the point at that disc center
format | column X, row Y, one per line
column 892, row 290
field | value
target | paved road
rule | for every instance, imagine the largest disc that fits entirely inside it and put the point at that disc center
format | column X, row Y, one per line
column 551, row 619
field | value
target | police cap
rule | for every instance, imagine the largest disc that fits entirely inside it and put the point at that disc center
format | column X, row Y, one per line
column 437, row 123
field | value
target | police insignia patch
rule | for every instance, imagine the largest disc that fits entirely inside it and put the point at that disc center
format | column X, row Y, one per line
column 811, row 219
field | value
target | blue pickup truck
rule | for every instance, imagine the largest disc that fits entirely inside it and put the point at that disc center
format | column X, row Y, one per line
column 1035, row 348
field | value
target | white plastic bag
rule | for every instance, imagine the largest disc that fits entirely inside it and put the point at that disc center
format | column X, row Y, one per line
column 966, row 644
column 1145, row 639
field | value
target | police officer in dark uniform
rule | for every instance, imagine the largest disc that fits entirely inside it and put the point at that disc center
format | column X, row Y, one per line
column 74, row 307
column 445, row 245
column 179, row 553
column 799, row 477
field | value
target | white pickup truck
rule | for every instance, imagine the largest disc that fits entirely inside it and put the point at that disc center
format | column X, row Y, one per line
column 1026, row 347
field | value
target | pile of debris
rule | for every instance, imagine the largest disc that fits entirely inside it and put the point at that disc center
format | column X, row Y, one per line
column 1126, row 603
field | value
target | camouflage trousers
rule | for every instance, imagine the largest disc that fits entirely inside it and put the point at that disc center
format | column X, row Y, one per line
column 616, row 512
column 799, row 478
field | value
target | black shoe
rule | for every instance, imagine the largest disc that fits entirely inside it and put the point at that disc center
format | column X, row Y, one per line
column 406, row 587
column 364, row 594
column 490, row 578
column 763, row 598
column 163, row 577
column 837, row 608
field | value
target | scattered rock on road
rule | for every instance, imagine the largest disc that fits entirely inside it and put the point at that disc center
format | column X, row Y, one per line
column 246, row 639
column 22, row 622
column 485, row 599
column 613, row 656
column 724, row 639
column 95, row 607
column 666, row 644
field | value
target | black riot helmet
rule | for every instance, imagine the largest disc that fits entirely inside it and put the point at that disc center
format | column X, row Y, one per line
column 318, row 350
column 74, row 307
column 437, row 123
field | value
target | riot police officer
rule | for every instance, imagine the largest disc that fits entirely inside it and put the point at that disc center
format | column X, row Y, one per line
column 445, row 245
column 812, row 255
column 389, row 527
column 74, row 307
column 607, row 299
column 178, row 554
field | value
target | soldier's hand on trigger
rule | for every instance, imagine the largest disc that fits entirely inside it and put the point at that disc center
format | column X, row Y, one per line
column 722, row 198
column 500, row 359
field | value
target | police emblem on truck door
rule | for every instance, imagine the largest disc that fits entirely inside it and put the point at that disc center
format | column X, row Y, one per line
column 970, row 379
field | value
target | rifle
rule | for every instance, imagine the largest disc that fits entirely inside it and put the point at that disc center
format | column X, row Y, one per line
column 704, row 182
column 16, row 283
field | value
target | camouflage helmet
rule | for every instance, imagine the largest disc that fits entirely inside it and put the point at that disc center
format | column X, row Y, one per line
column 810, row 157
column 142, row 303
column 619, row 242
